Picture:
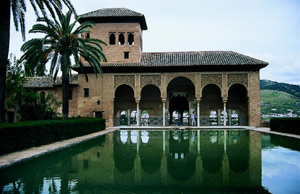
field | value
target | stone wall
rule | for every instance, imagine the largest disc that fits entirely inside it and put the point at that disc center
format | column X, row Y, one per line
column 102, row 88
column 254, row 99
column 115, row 53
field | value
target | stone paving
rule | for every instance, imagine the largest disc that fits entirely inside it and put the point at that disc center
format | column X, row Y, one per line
column 267, row 130
column 15, row 158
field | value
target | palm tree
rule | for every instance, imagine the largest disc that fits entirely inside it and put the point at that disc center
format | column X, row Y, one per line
column 62, row 44
column 18, row 9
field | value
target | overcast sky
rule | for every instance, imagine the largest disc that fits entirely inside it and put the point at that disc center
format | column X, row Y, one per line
column 268, row 30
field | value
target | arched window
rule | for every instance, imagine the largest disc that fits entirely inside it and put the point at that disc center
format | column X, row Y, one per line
column 121, row 39
column 185, row 117
column 130, row 39
column 87, row 35
column 234, row 117
column 112, row 39
column 123, row 118
column 175, row 117
column 213, row 117
column 145, row 118
column 133, row 117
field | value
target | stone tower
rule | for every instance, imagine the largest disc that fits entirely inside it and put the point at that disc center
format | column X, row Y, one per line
column 121, row 29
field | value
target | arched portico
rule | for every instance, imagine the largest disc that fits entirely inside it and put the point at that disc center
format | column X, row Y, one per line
column 211, row 105
column 124, row 101
column 152, row 103
column 180, row 97
column 215, row 99
column 237, row 105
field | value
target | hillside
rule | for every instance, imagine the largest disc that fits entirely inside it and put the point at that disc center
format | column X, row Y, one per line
column 277, row 102
column 288, row 88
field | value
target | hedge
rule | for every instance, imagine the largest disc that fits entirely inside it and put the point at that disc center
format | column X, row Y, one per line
column 285, row 125
column 23, row 135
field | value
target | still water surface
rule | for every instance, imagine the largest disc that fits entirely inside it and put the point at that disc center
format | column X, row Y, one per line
column 179, row 161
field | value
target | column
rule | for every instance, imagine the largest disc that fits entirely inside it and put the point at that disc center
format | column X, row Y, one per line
column 198, row 112
column 225, row 113
column 137, row 113
column 164, row 112
column 128, row 117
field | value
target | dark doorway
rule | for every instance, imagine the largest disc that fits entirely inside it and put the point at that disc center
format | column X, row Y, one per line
column 238, row 103
column 180, row 104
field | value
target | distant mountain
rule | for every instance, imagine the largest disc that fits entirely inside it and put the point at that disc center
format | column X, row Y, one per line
column 278, row 102
column 288, row 88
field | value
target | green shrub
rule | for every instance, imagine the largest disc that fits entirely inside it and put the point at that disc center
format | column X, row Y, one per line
column 285, row 125
column 39, row 105
column 18, row 136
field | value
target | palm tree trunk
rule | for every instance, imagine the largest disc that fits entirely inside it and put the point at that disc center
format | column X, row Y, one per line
column 65, row 94
column 4, row 47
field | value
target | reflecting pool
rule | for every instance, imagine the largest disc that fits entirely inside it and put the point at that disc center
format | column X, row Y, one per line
column 177, row 161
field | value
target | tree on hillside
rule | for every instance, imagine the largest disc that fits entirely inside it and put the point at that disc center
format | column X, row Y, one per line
column 61, row 44
column 18, row 9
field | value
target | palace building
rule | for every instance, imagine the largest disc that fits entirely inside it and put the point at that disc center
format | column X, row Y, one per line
column 158, row 88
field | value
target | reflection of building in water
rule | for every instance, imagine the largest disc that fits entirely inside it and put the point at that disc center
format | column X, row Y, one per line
column 182, row 157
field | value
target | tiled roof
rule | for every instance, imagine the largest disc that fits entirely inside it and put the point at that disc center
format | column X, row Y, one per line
column 158, row 59
column 39, row 82
column 198, row 58
column 72, row 80
column 115, row 15
column 111, row 12
column 47, row 81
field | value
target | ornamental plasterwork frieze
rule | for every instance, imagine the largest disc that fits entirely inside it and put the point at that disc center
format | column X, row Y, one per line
column 241, row 78
column 150, row 79
column 124, row 79
column 211, row 79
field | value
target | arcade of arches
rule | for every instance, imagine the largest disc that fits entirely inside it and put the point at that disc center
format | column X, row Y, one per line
column 172, row 99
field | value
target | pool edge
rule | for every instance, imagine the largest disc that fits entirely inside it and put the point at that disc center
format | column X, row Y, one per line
column 15, row 158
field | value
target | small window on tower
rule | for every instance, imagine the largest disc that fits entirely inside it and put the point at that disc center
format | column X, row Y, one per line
column 86, row 92
column 126, row 55
column 130, row 39
column 121, row 39
column 112, row 39
column 87, row 35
